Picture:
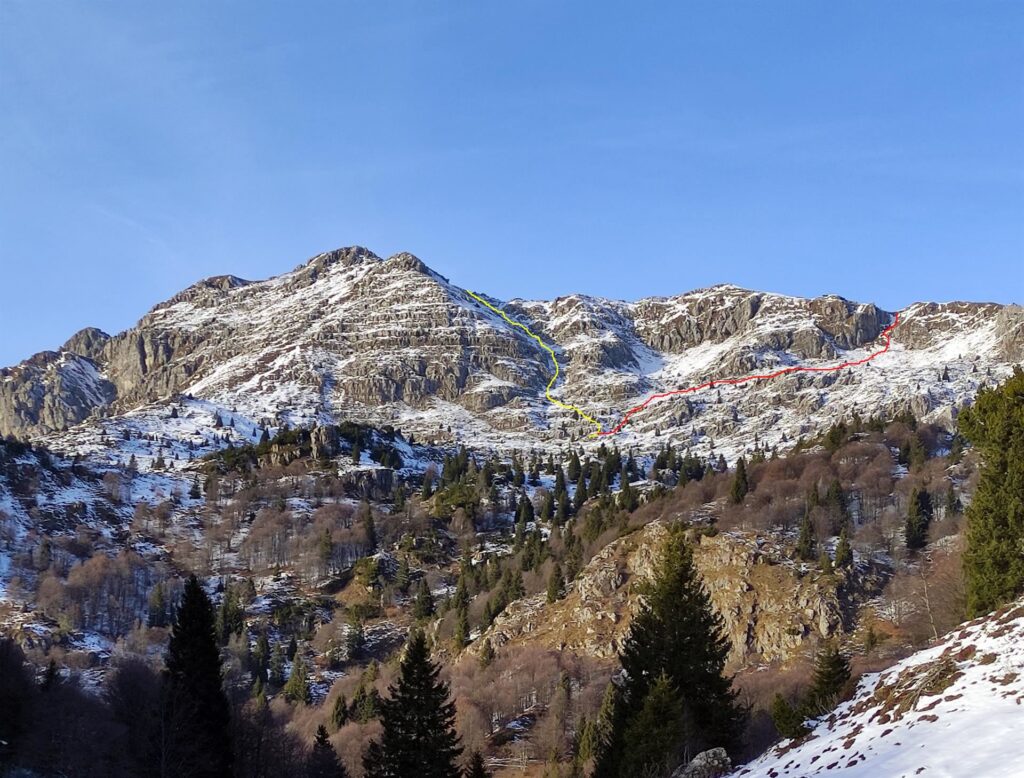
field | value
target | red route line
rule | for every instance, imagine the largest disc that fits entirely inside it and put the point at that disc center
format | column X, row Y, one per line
column 886, row 333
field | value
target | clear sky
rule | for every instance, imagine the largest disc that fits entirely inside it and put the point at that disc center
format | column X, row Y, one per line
column 871, row 149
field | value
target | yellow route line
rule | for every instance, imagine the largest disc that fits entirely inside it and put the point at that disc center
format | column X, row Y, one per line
column 554, row 359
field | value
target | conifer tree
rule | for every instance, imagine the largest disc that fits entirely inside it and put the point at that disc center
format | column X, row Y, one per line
column 486, row 653
column 297, row 688
column 740, row 484
column 423, row 607
column 339, row 712
column 368, row 526
column 919, row 515
column 402, row 577
column 628, row 500
column 844, row 554
column 831, row 672
column 418, row 719
column 195, row 712
column 323, row 760
column 993, row 562
column 475, row 768
column 805, row 543
column 555, row 584
column 787, row 719
column 676, row 633
column 580, row 495
column 655, row 736
column 261, row 655
column 275, row 674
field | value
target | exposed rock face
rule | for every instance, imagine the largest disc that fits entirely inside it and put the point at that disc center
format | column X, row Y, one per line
column 349, row 335
column 770, row 607
column 51, row 391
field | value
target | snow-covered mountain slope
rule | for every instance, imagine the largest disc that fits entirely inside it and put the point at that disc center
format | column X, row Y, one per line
column 955, row 709
column 349, row 335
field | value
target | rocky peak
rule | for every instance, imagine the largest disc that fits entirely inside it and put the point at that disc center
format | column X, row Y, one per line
column 88, row 343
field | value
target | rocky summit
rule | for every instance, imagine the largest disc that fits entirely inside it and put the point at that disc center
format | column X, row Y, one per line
column 351, row 336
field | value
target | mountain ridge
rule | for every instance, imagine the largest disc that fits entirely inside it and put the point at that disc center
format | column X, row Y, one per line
column 348, row 334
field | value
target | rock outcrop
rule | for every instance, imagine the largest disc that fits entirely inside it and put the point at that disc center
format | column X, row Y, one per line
column 771, row 604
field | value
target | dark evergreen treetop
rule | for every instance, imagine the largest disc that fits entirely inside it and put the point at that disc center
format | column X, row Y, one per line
column 476, row 768
column 323, row 760
column 831, row 672
column 196, row 713
column 419, row 722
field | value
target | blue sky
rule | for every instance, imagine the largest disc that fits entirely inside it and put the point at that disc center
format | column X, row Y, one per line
column 872, row 149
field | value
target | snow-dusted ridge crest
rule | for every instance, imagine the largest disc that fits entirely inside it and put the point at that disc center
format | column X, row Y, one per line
column 351, row 335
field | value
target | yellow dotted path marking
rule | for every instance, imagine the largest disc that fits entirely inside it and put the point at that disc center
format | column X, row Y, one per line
column 554, row 360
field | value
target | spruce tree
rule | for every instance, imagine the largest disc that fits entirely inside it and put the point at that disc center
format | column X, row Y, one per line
column 831, row 672
column 656, row 735
column 805, row 543
column 486, row 653
column 323, row 760
column 195, row 712
column 919, row 516
column 476, row 768
column 423, row 606
column 993, row 562
column 339, row 712
column 555, row 584
column 297, row 688
column 580, row 495
column 844, row 554
column 740, row 484
column 787, row 719
column 418, row 719
column 275, row 674
column 676, row 633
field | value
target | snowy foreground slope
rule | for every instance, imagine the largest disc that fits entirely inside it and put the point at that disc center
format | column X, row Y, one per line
column 956, row 709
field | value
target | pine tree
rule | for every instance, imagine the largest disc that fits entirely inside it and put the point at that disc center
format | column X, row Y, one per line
column 993, row 563
column 230, row 617
column 555, row 584
column 580, row 495
column 402, row 577
column 369, row 527
column 740, row 484
column 787, row 719
column 195, row 709
column 831, row 672
column 276, row 672
column 323, row 760
column 339, row 712
column 655, row 736
column 628, row 499
column 475, row 767
column 919, row 515
column 297, row 688
column 423, row 607
column 805, row 543
column 461, row 636
column 486, row 653
column 418, row 719
column 844, row 554
column 676, row 633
